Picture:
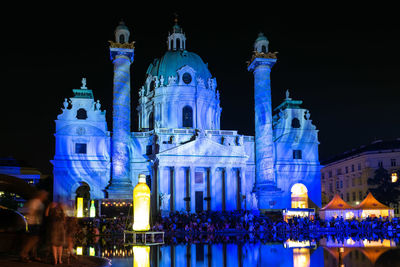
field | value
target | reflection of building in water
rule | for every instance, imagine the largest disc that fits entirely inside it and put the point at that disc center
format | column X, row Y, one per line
column 247, row 254
column 190, row 163
column 355, row 252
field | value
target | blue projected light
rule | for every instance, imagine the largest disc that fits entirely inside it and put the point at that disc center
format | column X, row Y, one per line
column 180, row 139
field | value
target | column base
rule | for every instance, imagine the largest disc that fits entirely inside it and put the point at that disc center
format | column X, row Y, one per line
column 120, row 191
column 269, row 196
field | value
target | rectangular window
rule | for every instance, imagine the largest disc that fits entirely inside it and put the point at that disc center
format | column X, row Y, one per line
column 297, row 154
column 198, row 177
column 393, row 162
column 360, row 195
column 359, row 181
column 341, row 184
column 380, row 164
column 354, row 196
column 353, row 182
column 322, row 176
column 352, row 168
column 80, row 148
column 347, row 196
column 337, row 184
column 347, row 183
column 330, row 174
column 338, row 171
column 347, row 169
column 330, row 187
column 359, row 166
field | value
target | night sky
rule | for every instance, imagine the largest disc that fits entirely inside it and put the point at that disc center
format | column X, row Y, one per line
column 343, row 64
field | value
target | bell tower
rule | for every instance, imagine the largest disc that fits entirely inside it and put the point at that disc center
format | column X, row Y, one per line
column 121, row 53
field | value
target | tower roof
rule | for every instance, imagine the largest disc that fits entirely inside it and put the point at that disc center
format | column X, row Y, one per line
column 337, row 203
column 261, row 36
column 370, row 203
column 121, row 26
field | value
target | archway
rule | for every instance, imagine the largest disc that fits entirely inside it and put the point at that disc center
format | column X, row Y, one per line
column 299, row 196
column 82, row 200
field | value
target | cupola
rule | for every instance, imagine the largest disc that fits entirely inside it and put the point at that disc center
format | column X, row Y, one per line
column 261, row 44
column 176, row 39
column 122, row 33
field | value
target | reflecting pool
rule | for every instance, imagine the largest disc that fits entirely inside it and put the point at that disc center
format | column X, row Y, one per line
column 326, row 251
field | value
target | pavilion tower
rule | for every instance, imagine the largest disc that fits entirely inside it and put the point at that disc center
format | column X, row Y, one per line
column 261, row 65
column 121, row 52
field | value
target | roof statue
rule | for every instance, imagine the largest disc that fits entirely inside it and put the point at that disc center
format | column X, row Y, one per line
column 83, row 83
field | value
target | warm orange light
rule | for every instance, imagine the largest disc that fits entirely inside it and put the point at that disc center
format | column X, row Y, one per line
column 394, row 177
column 141, row 256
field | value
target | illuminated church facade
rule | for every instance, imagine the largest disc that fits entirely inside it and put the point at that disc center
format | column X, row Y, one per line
column 190, row 162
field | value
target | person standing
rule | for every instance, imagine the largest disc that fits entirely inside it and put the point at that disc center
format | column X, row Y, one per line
column 56, row 219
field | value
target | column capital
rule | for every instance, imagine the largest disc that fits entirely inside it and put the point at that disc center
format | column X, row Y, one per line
column 122, row 53
column 259, row 61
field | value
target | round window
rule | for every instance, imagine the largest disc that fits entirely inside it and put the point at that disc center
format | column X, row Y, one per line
column 187, row 78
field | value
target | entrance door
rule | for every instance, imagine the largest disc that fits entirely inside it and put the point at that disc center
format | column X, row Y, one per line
column 199, row 201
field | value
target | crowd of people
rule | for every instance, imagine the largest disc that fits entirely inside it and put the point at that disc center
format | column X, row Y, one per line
column 246, row 221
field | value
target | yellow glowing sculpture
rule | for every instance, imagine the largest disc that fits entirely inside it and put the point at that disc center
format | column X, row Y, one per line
column 92, row 210
column 79, row 207
column 141, row 205
column 141, row 257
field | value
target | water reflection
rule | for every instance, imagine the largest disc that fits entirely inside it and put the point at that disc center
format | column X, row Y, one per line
column 327, row 251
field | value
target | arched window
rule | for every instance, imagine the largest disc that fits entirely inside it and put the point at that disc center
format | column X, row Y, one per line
column 295, row 123
column 122, row 39
column 81, row 114
column 187, row 117
column 171, row 45
column 178, row 44
column 82, row 200
column 263, row 49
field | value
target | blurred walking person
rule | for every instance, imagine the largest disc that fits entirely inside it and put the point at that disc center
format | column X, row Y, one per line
column 33, row 212
column 56, row 229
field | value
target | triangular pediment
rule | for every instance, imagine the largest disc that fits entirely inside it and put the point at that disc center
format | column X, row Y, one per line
column 204, row 147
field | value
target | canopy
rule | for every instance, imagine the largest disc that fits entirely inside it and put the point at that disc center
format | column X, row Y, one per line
column 370, row 203
column 337, row 203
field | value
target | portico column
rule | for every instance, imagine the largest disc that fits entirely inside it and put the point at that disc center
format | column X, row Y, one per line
column 172, row 188
column 192, row 190
column 242, row 174
column 180, row 194
column 216, row 203
column 231, row 188
column 208, row 188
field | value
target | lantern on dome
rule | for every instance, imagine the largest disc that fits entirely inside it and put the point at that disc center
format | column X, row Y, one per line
column 141, row 205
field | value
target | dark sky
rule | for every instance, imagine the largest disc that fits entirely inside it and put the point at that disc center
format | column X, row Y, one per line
column 343, row 63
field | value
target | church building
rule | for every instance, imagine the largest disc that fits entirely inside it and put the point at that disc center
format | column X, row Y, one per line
column 191, row 163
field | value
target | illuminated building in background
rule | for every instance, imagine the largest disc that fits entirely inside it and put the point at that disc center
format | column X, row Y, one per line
column 347, row 174
column 190, row 163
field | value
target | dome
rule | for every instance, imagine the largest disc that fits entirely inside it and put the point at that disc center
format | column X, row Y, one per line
column 121, row 26
column 172, row 61
column 261, row 36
